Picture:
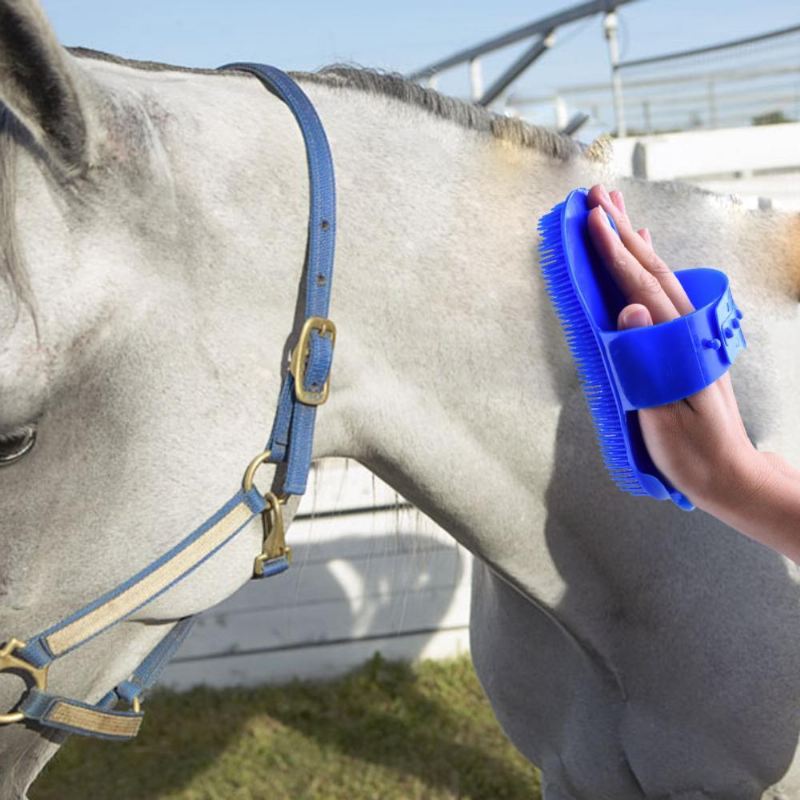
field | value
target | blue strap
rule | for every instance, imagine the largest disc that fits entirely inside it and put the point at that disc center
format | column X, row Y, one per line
column 149, row 670
column 123, row 600
column 109, row 609
column 293, row 429
column 102, row 613
column 100, row 720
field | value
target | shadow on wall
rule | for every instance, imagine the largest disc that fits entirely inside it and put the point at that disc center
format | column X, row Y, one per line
column 342, row 599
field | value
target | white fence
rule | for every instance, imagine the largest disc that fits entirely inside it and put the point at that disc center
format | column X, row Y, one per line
column 755, row 162
column 726, row 85
column 368, row 573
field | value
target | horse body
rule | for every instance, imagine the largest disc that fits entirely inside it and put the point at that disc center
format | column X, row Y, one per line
column 630, row 649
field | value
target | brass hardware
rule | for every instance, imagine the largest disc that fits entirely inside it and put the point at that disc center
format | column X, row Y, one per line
column 8, row 661
column 250, row 472
column 136, row 705
column 300, row 355
column 274, row 534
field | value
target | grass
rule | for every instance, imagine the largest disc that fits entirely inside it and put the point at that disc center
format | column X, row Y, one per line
column 387, row 731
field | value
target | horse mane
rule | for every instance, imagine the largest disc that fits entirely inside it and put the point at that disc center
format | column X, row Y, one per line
column 391, row 84
column 468, row 115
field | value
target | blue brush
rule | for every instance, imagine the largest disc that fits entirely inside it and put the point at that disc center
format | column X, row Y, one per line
column 623, row 371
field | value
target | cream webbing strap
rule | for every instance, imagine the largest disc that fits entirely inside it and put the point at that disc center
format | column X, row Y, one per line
column 40, row 651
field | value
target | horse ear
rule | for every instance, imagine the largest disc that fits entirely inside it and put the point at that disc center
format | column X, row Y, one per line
column 41, row 84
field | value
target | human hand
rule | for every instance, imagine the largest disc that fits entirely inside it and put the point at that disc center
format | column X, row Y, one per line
column 699, row 443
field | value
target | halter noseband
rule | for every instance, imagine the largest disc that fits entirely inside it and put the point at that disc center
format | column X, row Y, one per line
column 305, row 386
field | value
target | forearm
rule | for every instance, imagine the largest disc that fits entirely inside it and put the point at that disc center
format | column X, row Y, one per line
column 762, row 501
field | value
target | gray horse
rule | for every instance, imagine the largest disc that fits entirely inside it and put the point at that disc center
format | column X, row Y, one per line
column 152, row 231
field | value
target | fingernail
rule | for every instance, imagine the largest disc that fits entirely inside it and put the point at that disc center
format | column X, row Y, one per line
column 636, row 317
column 607, row 218
column 604, row 194
column 621, row 201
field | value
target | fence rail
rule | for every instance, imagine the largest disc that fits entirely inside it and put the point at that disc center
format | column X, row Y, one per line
column 750, row 81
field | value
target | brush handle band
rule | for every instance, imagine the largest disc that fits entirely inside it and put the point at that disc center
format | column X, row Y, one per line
column 662, row 363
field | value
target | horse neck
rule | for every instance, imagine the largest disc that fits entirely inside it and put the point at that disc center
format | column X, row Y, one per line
column 452, row 375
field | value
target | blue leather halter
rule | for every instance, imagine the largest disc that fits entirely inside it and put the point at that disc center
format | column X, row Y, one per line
column 304, row 387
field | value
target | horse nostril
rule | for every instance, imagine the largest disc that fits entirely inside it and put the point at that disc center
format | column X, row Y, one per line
column 16, row 443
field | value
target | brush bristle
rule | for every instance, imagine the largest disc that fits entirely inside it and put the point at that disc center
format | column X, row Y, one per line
column 591, row 369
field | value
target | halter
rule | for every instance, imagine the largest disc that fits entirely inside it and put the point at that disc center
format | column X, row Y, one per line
column 305, row 386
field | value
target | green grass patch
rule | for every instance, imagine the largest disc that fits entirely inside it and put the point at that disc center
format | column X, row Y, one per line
column 387, row 731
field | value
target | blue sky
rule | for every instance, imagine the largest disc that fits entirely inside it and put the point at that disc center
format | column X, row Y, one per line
column 307, row 34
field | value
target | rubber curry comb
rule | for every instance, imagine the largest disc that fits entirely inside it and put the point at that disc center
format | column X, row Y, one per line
column 623, row 371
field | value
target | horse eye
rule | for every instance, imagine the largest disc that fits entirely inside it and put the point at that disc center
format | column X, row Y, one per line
column 16, row 444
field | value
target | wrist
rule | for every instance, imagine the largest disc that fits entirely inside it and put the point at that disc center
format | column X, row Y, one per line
column 740, row 482
column 762, row 501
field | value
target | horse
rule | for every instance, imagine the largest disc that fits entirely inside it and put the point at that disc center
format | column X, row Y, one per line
column 153, row 238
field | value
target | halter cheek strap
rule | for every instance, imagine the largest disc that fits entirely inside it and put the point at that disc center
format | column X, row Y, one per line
column 304, row 387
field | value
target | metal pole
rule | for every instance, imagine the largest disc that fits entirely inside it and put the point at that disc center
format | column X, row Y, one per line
column 539, row 27
column 561, row 112
column 610, row 26
column 712, row 105
column 535, row 51
column 575, row 124
column 476, row 79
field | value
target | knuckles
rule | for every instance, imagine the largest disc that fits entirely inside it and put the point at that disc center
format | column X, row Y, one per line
column 647, row 283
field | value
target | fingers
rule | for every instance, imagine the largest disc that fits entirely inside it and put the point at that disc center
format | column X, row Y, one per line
column 637, row 284
column 639, row 246
column 645, row 234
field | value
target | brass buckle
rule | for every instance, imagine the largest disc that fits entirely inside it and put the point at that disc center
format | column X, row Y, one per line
column 8, row 661
column 274, row 534
column 300, row 357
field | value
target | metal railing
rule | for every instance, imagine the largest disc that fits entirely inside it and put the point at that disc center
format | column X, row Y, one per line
column 755, row 80
column 542, row 36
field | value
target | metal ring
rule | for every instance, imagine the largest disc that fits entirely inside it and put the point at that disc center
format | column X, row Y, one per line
column 8, row 661
column 250, row 472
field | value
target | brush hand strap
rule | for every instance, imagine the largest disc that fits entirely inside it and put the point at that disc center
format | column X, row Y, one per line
column 662, row 363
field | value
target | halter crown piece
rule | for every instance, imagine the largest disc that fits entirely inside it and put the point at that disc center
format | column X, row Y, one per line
column 305, row 386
